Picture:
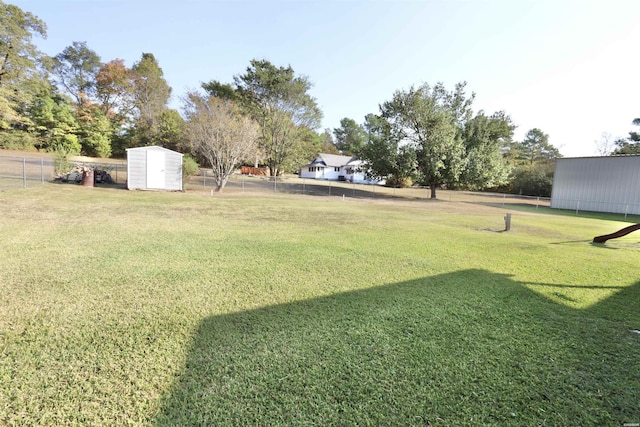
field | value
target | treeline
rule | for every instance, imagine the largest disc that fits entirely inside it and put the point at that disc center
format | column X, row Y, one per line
column 74, row 103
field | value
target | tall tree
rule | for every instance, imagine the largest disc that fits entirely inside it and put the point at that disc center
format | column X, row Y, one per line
column 279, row 101
column 535, row 147
column 95, row 131
column 171, row 131
column 328, row 146
column 218, row 131
column 383, row 157
column 221, row 90
column 426, row 118
column 350, row 137
column 21, row 73
column 54, row 123
column 114, row 90
column 484, row 139
column 534, row 161
column 76, row 68
column 151, row 94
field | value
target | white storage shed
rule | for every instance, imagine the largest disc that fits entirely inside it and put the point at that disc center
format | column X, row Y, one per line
column 154, row 168
column 597, row 184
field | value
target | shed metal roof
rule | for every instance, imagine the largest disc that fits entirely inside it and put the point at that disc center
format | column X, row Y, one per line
column 153, row 147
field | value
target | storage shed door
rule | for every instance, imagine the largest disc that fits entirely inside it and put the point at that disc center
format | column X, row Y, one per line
column 155, row 169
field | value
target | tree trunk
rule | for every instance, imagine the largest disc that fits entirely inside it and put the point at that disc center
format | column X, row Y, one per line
column 432, row 187
column 220, row 183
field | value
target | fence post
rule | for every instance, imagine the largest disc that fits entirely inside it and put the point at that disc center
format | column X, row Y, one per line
column 24, row 172
column 275, row 183
column 204, row 179
column 304, row 182
column 42, row 171
column 507, row 222
column 577, row 207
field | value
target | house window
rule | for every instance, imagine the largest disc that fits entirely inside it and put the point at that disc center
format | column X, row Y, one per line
column 337, row 169
column 312, row 168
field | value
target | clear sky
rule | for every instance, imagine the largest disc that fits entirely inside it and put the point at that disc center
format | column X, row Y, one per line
column 568, row 67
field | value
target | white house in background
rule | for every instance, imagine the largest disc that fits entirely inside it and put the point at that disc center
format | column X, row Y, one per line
column 154, row 168
column 334, row 167
column 598, row 184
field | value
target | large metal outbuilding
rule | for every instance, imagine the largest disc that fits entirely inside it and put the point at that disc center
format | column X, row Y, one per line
column 597, row 184
column 154, row 168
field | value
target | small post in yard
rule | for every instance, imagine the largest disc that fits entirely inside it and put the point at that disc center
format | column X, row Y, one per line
column 24, row 172
column 42, row 171
column 507, row 222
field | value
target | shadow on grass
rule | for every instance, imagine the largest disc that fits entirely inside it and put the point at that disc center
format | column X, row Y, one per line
column 325, row 189
column 466, row 348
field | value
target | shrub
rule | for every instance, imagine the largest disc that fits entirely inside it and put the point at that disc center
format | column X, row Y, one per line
column 189, row 167
column 399, row 182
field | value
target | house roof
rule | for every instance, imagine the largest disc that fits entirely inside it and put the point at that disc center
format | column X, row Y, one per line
column 333, row 160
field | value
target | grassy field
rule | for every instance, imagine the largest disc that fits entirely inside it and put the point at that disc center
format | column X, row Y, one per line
column 141, row 308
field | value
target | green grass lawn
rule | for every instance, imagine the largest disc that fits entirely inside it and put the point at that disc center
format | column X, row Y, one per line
column 142, row 308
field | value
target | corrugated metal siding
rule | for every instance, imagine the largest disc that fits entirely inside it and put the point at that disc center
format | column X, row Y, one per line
column 137, row 168
column 599, row 184
column 173, row 171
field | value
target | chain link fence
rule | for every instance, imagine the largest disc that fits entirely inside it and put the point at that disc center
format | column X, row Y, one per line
column 26, row 171
column 313, row 187
column 579, row 206
column 21, row 172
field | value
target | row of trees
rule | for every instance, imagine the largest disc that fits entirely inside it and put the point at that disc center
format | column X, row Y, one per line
column 74, row 103
column 266, row 115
